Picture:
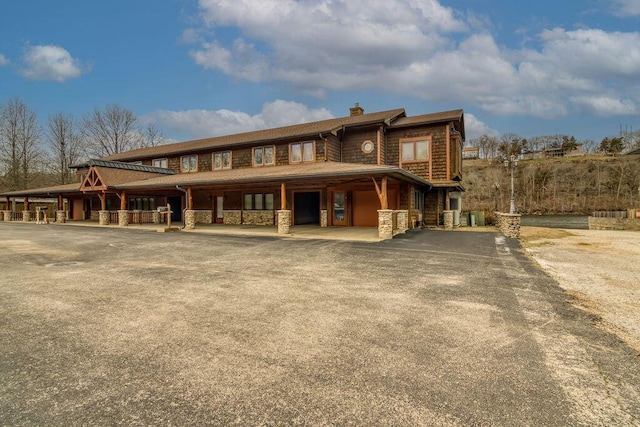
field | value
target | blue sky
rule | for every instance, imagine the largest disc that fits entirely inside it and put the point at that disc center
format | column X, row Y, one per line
column 211, row 67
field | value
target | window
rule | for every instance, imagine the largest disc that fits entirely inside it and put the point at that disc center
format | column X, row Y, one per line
column 258, row 201
column 263, row 156
column 189, row 163
column 302, row 152
column 222, row 160
column 414, row 150
column 160, row 163
column 138, row 163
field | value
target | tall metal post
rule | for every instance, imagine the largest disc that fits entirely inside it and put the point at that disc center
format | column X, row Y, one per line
column 511, row 165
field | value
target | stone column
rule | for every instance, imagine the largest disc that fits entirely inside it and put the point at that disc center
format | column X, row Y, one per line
column 510, row 225
column 448, row 220
column 123, row 218
column 8, row 216
column 403, row 221
column 385, row 223
column 323, row 218
column 156, row 217
column 190, row 219
column 61, row 216
column 1, row 216
column 284, row 221
column 26, row 216
column 103, row 217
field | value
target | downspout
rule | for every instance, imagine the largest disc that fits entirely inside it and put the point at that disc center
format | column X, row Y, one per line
column 186, row 204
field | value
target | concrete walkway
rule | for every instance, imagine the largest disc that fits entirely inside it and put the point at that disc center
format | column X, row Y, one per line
column 348, row 234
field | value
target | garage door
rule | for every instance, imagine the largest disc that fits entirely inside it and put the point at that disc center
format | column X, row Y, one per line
column 365, row 207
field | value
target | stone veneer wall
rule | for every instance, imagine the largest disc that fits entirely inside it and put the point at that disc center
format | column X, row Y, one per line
column 264, row 217
column 448, row 220
column 26, row 216
column 385, row 223
column 95, row 216
column 193, row 217
column 323, row 218
column 284, row 221
column 632, row 224
column 204, row 217
column 1, row 216
column 508, row 224
column 232, row 217
column 61, row 216
column 7, row 216
column 403, row 221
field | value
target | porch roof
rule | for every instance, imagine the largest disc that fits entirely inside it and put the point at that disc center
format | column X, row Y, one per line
column 45, row 191
column 277, row 174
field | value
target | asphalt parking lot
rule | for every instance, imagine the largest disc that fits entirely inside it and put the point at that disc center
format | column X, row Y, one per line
column 104, row 326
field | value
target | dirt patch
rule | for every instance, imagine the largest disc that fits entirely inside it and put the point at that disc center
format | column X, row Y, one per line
column 598, row 270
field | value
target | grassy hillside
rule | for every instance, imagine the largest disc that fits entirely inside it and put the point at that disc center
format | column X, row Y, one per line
column 572, row 185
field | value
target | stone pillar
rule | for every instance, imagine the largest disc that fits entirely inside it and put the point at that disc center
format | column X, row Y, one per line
column 190, row 219
column 510, row 225
column 123, row 218
column 323, row 218
column 103, row 217
column 403, row 221
column 61, row 216
column 448, row 220
column 26, row 216
column 284, row 221
column 8, row 216
column 385, row 223
column 156, row 217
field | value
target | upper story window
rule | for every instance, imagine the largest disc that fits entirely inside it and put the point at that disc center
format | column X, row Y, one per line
column 138, row 163
column 160, row 163
column 264, row 156
column 222, row 160
column 189, row 163
column 414, row 149
column 302, row 152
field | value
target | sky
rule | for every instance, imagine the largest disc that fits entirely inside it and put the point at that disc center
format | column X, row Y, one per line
column 202, row 68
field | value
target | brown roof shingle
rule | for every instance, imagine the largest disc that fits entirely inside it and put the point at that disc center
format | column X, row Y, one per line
column 300, row 130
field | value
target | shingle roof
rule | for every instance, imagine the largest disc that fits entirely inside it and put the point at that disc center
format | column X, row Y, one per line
column 123, row 166
column 276, row 174
column 44, row 192
column 115, row 176
column 266, row 135
column 444, row 116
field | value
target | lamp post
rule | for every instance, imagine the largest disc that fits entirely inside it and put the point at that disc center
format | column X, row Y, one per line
column 511, row 163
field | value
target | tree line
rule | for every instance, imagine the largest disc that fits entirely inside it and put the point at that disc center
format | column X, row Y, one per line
column 35, row 154
column 490, row 147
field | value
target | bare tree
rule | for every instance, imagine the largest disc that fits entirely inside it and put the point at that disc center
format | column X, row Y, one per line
column 65, row 146
column 19, row 143
column 152, row 136
column 110, row 131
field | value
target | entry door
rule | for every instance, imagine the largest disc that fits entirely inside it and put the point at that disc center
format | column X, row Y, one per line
column 339, row 208
column 219, row 209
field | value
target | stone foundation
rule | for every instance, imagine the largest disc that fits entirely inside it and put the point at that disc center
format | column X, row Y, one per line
column 95, row 215
column 508, row 224
column 385, row 223
column 448, row 220
column 26, row 216
column 189, row 219
column 284, row 222
column 7, row 216
column 123, row 218
column 232, row 217
column 258, row 218
column 61, row 217
column 103, row 217
column 403, row 221
column 323, row 218
column 632, row 224
column 156, row 217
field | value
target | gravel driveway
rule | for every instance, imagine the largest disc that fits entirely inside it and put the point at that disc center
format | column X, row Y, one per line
column 600, row 268
column 106, row 326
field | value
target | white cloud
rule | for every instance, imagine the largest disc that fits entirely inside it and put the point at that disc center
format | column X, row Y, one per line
column 51, row 63
column 422, row 49
column 626, row 7
column 3, row 60
column 475, row 128
column 207, row 123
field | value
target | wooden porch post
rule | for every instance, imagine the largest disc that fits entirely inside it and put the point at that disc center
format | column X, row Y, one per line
column 60, row 202
column 123, row 201
column 8, row 204
column 283, row 197
column 190, row 199
column 26, row 203
column 103, row 201
column 382, row 193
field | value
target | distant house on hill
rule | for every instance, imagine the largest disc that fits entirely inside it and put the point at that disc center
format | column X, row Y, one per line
column 471, row 153
column 635, row 151
column 554, row 152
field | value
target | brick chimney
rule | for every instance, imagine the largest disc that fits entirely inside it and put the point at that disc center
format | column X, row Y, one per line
column 356, row 110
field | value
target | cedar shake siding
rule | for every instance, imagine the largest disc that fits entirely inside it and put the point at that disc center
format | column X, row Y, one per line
column 352, row 146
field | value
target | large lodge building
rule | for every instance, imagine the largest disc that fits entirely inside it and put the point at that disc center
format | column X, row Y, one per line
column 384, row 169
